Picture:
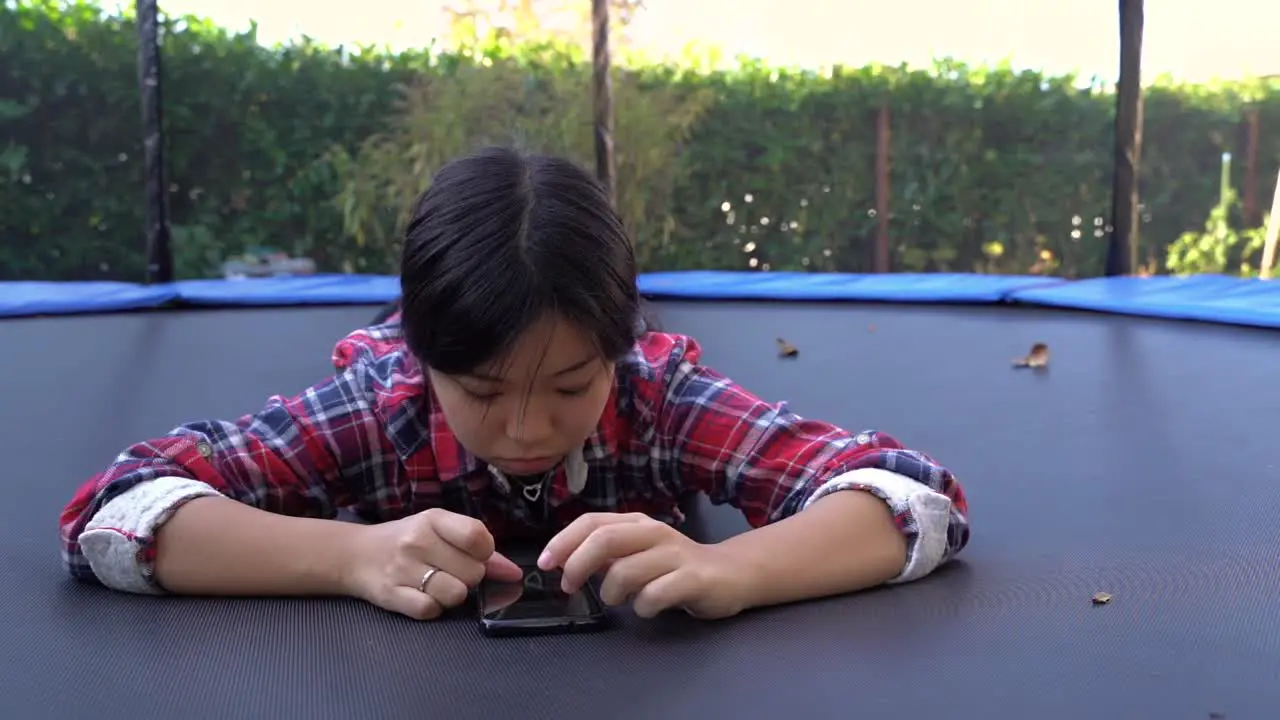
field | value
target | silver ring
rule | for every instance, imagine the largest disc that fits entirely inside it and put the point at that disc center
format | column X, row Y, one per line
column 426, row 578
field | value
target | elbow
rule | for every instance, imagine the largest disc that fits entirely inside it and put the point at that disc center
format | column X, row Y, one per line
column 72, row 522
column 106, row 529
column 115, row 545
column 933, row 528
column 929, row 533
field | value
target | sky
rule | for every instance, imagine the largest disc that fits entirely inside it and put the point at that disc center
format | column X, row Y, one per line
column 1188, row 39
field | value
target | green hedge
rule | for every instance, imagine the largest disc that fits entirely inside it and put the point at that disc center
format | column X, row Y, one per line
column 309, row 149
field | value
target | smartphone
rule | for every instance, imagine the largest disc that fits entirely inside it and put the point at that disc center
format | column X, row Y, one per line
column 537, row 606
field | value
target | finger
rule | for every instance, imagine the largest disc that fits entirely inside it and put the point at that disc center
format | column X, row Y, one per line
column 500, row 595
column 413, row 604
column 447, row 589
column 465, row 533
column 607, row 543
column 567, row 540
column 673, row 590
column 453, row 561
column 500, row 568
column 628, row 576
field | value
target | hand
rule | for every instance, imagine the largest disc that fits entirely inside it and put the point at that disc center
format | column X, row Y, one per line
column 646, row 562
column 388, row 562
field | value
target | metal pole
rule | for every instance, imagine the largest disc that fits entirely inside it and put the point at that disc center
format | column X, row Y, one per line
column 1272, row 235
column 884, row 188
column 159, row 250
column 1122, row 250
column 602, row 96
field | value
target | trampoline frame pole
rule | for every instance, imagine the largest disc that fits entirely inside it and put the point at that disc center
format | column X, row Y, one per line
column 157, row 231
column 1122, row 250
column 602, row 98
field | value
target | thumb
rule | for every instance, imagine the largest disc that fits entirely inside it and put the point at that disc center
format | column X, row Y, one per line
column 499, row 567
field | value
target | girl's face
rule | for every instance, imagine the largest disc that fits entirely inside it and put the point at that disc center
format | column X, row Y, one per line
column 524, row 414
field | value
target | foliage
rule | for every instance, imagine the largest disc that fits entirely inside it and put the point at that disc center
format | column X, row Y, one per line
column 316, row 150
column 533, row 99
column 245, row 125
column 565, row 20
column 1219, row 248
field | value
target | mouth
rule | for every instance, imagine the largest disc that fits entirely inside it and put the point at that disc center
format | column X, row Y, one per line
column 526, row 466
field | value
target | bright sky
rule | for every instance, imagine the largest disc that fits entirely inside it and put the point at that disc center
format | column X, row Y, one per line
column 1189, row 39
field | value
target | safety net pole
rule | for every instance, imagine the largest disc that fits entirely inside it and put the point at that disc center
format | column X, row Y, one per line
column 602, row 97
column 1122, row 250
column 159, row 250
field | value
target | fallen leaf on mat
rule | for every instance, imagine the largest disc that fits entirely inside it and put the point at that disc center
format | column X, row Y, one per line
column 1101, row 598
column 786, row 349
column 1037, row 358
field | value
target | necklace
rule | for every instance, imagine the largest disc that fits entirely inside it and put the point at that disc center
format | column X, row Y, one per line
column 532, row 491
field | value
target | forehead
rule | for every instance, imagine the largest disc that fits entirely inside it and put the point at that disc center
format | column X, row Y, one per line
column 546, row 348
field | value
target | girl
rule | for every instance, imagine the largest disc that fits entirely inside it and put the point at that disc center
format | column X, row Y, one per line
column 516, row 392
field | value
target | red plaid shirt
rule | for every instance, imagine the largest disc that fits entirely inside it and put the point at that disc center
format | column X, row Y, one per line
column 372, row 439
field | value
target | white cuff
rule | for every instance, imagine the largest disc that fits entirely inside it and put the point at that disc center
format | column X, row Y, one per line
column 928, row 513
column 114, row 539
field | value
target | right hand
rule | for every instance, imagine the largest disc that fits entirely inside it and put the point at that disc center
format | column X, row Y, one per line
column 389, row 560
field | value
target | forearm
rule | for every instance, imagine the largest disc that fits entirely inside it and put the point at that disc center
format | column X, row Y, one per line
column 844, row 542
column 216, row 546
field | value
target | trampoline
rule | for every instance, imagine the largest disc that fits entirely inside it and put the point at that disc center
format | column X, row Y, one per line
column 1140, row 463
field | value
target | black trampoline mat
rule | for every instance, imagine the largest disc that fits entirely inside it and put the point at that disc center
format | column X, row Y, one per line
column 1143, row 463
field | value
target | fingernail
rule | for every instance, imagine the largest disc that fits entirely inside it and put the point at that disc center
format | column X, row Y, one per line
column 544, row 560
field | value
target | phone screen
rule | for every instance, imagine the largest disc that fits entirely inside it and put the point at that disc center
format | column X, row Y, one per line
column 537, row 600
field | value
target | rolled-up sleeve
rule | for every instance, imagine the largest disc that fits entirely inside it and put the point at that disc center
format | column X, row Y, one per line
column 936, row 530
column 306, row 455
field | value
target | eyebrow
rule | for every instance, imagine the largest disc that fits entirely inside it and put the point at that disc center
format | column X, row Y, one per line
column 559, row 373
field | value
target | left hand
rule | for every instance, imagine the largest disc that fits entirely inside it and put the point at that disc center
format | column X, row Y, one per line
column 645, row 561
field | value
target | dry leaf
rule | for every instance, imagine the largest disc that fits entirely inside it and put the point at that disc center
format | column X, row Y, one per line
column 1101, row 598
column 1037, row 358
column 786, row 349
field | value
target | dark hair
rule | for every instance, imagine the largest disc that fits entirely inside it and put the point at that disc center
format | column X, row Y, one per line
column 501, row 239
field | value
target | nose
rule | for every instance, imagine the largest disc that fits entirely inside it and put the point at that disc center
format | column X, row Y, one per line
column 529, row 424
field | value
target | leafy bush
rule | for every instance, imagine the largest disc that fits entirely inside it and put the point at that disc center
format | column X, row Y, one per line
column 315, row 151
column 536, row 98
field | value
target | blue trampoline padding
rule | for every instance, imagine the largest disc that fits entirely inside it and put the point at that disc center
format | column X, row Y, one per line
column 26, row 298
column 1209, row 298
column 301, row 290
column 891, row 287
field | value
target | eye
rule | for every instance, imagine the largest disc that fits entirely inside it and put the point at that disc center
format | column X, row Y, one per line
column 574, row 392
column 481, row 396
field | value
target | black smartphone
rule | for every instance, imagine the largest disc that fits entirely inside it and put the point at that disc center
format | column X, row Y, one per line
column 537, row 606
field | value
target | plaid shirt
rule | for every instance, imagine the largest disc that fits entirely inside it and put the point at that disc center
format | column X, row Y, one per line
column 372, row 439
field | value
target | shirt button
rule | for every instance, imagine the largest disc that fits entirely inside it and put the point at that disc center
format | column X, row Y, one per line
column 862, row 439
column 205, row 450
